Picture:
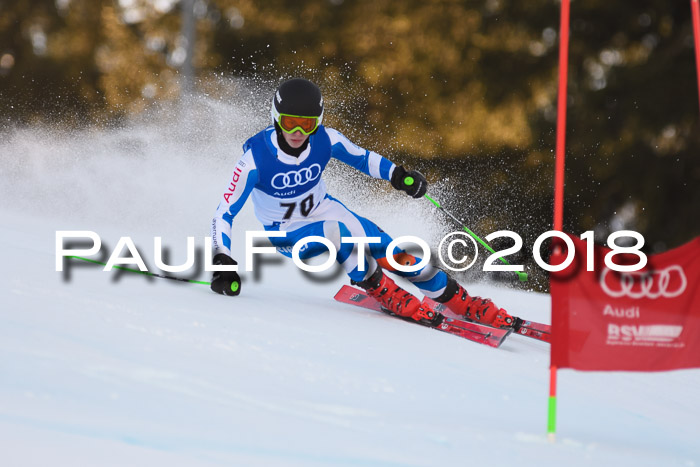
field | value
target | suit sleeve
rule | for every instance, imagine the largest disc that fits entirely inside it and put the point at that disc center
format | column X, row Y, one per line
column 245, row 176
column 363, row 160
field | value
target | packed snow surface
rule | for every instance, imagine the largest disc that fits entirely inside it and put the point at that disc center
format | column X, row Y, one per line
column 114, row 368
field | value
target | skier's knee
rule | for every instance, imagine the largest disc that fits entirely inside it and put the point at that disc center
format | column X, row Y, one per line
column 401, row 258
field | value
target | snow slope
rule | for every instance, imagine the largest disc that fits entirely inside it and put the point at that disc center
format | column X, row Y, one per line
column 113, row 368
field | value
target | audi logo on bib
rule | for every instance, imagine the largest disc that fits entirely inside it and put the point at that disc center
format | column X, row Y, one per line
column 666, row 283
column 295, row 178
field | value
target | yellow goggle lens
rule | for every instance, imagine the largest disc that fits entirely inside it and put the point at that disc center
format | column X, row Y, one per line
column 292, row 123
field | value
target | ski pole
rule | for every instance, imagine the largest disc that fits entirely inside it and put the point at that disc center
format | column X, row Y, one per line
column 521, row 275
column 146, row 273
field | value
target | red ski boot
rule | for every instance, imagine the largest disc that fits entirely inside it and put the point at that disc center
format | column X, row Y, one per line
column 396, row 300
column 477, row 309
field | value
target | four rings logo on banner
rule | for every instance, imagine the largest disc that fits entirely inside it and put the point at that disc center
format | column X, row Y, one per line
column 296, row 177
column 667, row 283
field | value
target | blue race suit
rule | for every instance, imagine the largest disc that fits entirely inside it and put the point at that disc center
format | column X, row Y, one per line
column 289, row 195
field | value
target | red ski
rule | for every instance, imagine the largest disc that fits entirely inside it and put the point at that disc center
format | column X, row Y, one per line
column 539, row 331
column 472, row 331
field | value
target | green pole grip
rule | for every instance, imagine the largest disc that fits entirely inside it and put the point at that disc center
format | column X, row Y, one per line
column 234, row 286
column 408, row 181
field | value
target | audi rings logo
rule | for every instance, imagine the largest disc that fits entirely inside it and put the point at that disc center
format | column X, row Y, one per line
column 296, row 177
column 667, row 283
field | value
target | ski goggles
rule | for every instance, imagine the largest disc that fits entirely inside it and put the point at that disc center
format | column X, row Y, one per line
column 292, row 123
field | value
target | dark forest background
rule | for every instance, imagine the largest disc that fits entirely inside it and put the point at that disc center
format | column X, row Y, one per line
column 463, row 90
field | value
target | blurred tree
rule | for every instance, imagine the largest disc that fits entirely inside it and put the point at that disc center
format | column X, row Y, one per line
column 46, row 64
column 634, row 133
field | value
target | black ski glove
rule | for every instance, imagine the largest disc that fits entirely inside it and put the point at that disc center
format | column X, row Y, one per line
column 225, row 282
column 412, row 181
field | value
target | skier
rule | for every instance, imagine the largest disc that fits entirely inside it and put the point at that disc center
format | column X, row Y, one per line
column 281, row 169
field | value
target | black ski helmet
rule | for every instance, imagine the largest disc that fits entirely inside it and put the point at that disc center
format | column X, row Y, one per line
column 297, row 96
